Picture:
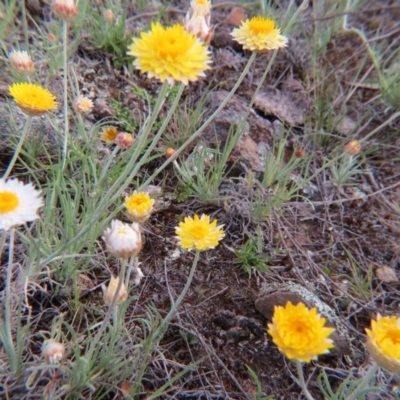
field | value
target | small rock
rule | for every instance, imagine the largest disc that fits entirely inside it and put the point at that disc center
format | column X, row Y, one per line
column 290, row 104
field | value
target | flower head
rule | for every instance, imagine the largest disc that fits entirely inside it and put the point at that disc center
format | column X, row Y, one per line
column 299, row 332
column 32, row 99
column 259, row 34
column 353, row 147
column 21, row 62
column 170, row 54
column 109, row 292
column 384, row 342
column 53, row 351
column 123, row 240
column 139, row 206
column 199, row 233
column 124, row 140
column 83, row 105
column 197, row 20
column 65, row 9
column 109, row 134
column 19, row 203
column 108, row 16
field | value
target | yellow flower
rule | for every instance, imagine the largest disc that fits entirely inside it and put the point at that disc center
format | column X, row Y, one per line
column 170, row 54
column 139, row 206
column 199, row 233
column 32, row 99
column 109, row 134
column 109, row 292
column 384, row 342
column 19, row 203
column 299, row 332
column 259, row 34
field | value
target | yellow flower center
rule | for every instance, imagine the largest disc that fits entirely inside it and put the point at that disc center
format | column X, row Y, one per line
column 201, row 2
column 261, row 26
column 394, row 336
column 8, row 202
column 138, row 202
column 175, row 43
column 199, row 231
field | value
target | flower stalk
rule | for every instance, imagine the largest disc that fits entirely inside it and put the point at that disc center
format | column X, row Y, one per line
column 65, row 84
column 5, row 327
column 302, row 382
column 158, row 333
column 110, row 311
column 25, row 131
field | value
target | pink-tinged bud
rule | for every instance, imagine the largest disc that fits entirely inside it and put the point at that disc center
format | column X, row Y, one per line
column 51, row 38
column 110, row 291
column 108, row 16
column 124, row 140
column 169, row 152
column 65, row 9
column 353, row 147
column 21, row 62
column 83, row 105
column 53, row 351
column 299, row 153
column 123, row 240
column 197, row 20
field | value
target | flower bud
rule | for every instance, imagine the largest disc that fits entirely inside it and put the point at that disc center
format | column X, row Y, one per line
column 109, row 292
column 52, row 351
column 123, row 240
column 353, row 147
column 83, row 105
column 299, row 153
column 169, row 152
column 65, row 9
column 108, row 16
column 197, row 20
column 51, row 38
column 124, row 140
column 21, row 62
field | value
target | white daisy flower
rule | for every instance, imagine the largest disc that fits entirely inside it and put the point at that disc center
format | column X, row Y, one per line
column 19, row 203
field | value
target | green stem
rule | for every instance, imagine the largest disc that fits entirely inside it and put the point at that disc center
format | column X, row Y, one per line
column 19, row 147
column 358, row 391
column 302, row 381
column 206, row 123
column 65, row 81
column 3, row 237
column 175, row 305
column 24, row 24
column 9, row 345
column 133, row 263
column 108, row 163
column 109, row 313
